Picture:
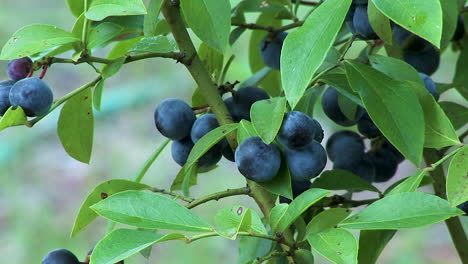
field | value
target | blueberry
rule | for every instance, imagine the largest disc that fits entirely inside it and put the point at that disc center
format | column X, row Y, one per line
column 60, row 256
column 349, row 18
column 180, row 151
column 228, row 153
column 345, row 145
column 363, row 168
column 232, row 108
column 174, row 118
column 245, row 97
column 385, row 146
column 385, row 166
column 332, row 109
column 460, row 29
column 417, row 52
column 297, row 130
column 298, row 187
column 270, row 49
column 430, row 85
column 464, row 207
column 20, row 68
column 367, row 127
column 33, row 95
column 202, row 126
column 307, row 163
column 256, row 160
column 318, row 131
column 5, row 88
column 362, row 25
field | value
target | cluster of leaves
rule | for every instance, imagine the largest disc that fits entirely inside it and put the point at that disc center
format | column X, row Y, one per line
column 313, row 55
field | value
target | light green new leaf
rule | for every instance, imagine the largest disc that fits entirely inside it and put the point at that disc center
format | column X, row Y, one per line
column 402, row 210
column 245, row 131
column 75, row 126
column 207, row 141
column 210, row 20
column 251, row 248
column 267, row 117
column 238, row 219
column 336, row 244
column 393, row 106
column 123, row 243
column 33, row 39
column 13, row 117
column 410, row 184
column 76, row 7
column 457, row 178
column 372, row 243
column 151, row 19
column 422, row 17
column 306, row 48
column 112, row 68
column 154, row 44
column 327, row 219
column 380, row 23
column 150, row 211
column 103, row 33
column 439, row 131
column 277, row 213
column 101, row 9
column 342, row 180
column 86, row 215
column 298, row 206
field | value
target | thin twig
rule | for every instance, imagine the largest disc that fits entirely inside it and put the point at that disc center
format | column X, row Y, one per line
column 218, row 195
column 173, row 194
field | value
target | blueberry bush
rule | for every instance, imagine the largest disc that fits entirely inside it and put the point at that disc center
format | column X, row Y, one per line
column 384, row 101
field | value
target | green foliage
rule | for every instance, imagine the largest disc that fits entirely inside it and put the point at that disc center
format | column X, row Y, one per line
column 267, row 129
column 457, row 180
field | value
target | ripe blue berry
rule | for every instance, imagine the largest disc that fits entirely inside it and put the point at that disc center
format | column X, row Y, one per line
column 306, row 163
column 332, row 109
column 245, row 97
column 367, row 127
column 297, row 130
column 5, row 88
column 345, row 145
column 363, row 168
column 270, row 49
column 202, row 126
column 60, row 256
column 174, row 118
column 33, row 95
column 430, row 85
column 256, row 160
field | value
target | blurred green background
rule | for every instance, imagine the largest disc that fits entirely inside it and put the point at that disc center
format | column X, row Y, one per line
column 42, row 188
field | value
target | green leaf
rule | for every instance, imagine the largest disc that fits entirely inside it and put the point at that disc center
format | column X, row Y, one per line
column 461, row 76
column 245, row 130
column 306, row 48
column 303, row 256
column 100, row 9
column 103, row 33
column 267, row 117
column 97, row 94
column 339, row 81
column 123, row 243
column 410, row 184
column 151, row 19
column 149, row 210
column 212, row 59
column 342, row 180
column 298, row 206
column 372, row 243
column 186, row 177
column 122, row 48
column 86, row 215
column 238, row 219
column 393, row 106
column 457, row 178
column 336, row 244
column 33, row 39
column 76, row 7
column 380, row 23
column 76, row 126
column 277, row 213
column 402, row 210
column 426, row 180
column 450, row 19
column 13, row 117
column 439, row 131
column 327, row 219
column 251, row 248
column 207, row 141
column 154, row 44
column 256, row 78
column 308, row 101
column 142, row 171
column 422, row 17
column 458, row 114
column 210, row 20
column 272, row 81
column 112, row 68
